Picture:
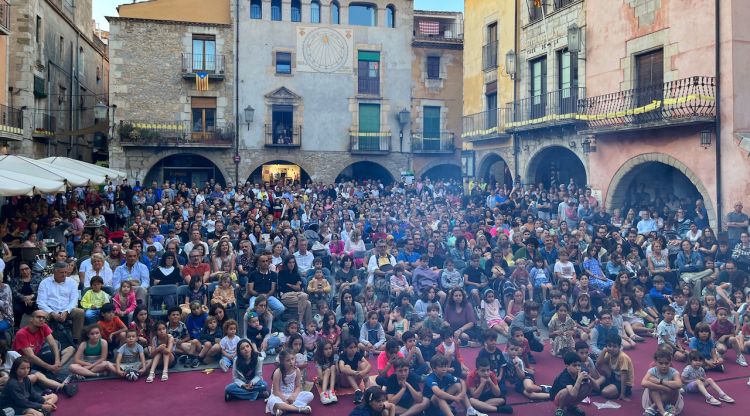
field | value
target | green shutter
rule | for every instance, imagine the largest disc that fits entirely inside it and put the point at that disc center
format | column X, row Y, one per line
column 369, row 122
column 369, row 56
column 431, row 122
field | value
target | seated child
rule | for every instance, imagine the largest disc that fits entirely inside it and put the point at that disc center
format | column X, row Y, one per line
column 491, row 313
column 484, row 389
column 449, row 348
column 94, row 299
column 354, row 368
column 325, row 361
column 562, row 328
column 705, row 346
column 549, row 306
column 695, row 381
column 441, row 388
column 386, row 361
column 571, row 386
column 588, row 365
column 177, row 329
column 228, row 345
column 130, row 360
column 602, row 332
column 617, row 368
column 348, row 324
column 398, row 282
column 521, row 377
column 666, row 333
column 724, row 332
column 112, row 328
column 494, row 356
column 541, row 277
column 402, row 389
column 412, row 354
column 224, row 292
column 209, row 340
column 318, row 288
column 426, row 346
column 309, row 337
column 433, row 321
column 372, row 335
column 662, row 383
column 256, row 332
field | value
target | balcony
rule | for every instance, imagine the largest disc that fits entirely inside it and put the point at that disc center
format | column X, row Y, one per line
column 281, row 137
column 213, row 65
column 555, row 108
column 11, row 123
column 433, row 143
column 486, row 125
column 436, row 30
column 682, row 102
column 45, row 125
column 489, row 56
column 4, row 17
column 370, row 143
column 146, row 133
column 368, row 86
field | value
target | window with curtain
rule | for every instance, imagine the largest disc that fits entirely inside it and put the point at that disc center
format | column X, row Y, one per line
column 335, row 13
column 315, row 11
column 256, row 9
column 276, row 10
column 296, row 11
column 204, row 53
column 283, row 63
column 368, row 72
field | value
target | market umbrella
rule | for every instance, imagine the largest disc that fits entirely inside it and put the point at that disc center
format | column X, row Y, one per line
column 69, row 163
column 47, row 171
column 15, row 184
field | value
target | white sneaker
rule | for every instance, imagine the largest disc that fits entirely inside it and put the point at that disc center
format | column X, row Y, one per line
column 741, row 360
column 748, row 381
column 332, row 396
column 474, row 412
column 324, row 399
column 223, row 365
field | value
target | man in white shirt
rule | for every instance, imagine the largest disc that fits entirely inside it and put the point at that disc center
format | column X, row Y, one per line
column 380, row 264
column 304, row 258
column 195, row 240
column 58, row 296
column 134, row 272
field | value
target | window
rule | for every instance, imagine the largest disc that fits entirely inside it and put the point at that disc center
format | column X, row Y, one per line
column 369, row 122
column 335, row 13
column 559, row 4
column 567, row 82
column 368, row 67
column 491, row 99
column 204, row 53
column 282, row 119
column 38, row 30
column 649, row 77
column 62, row 49
column 489, row 51
column 81, row 63
column 204, row 116
column 433, row 67
column 362, row 14
column 315, row 11
column 256, row 9
column 431, row 127
column 283, row 62
column 296, row 11
column 538, row 87
column 536, row 13
column 390, row 16
column 276, row 10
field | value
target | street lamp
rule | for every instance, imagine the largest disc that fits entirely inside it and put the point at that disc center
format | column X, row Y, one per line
column 403, row 120
column 100, row 110
column 574, row 38
column 249, row 115
column 467, row 163
column 589, row 145
column 510, row 64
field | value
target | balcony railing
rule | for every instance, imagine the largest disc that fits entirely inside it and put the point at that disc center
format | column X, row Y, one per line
column 281, row 136
column 4, row 17
column 197, row 62
column 432, row 142
column 370, row 142
column 485, row 125
column 555, row 107
column 11, row 121
column 489, row 56
column 45, row 125
column 174, row 133
column 681, row 101
column 369, row 86
column 438, row 30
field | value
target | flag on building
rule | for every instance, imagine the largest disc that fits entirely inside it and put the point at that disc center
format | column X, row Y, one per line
column 538, row 3
column 201, row 81
column 429, row 27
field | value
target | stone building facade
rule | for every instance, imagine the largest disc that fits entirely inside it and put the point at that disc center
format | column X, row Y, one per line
column 57, row 74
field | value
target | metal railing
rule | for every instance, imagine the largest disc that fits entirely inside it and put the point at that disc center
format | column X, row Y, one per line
column 194, row 62
column 671, row 101
column 370, row 142
column 425, row 29
column 45, row 125
column 5, row 16
column 11, row 119
column 552, row 106
column 433, row 142
column 369, row 86
column 489, row 56
column 283, row 136
column 174, row 133
column 489, row 123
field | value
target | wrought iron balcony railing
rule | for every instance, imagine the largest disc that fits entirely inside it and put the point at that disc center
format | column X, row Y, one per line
column 213, row 65
column 4, row 17
column 283, row 136
column 427, row 29
column 541, row 110
column 11, row 120
column 489, row 56
column 485, row 125
column 433, row 142
column 362, row 142
column 682, row 100
column 175, row 133
column 369, row 86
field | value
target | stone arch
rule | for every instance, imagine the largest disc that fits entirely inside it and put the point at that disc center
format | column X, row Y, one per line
column 628, row 169
column 438, row 162
column 485, row 165
column 268, row 159
column 367, row 169
column 303, row 178
column 152, row 171
column 571, row 163
column 149, row 163
column 444, row 170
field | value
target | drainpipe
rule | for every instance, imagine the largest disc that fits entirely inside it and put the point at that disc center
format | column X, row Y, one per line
column 717, row 58
column 237, row 95
column 516, row 144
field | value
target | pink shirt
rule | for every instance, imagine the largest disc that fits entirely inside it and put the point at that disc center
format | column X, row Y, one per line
column 383, row 361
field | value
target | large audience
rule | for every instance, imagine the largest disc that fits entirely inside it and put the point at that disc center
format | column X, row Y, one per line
column 380, row 289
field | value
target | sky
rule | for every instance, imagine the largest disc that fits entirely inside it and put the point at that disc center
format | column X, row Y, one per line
column 109, row 8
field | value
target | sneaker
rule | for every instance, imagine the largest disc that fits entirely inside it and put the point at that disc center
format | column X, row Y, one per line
column 223, row 365
column 474, row 412
column 748, row 381
column 227, row 397
column 324, row 399
column 358, row 396
column 70, row 389
column 195, row 362
column 332, row 396
column 741, row 360
column 545, row 388
column 505, row 409
column 651, row 411
column 575, row 410
column 559, row 412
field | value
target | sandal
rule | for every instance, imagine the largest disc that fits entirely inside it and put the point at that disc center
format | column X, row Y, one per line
column 726, row 399
column 164, row 377
column 150, row 378
column 712, row 401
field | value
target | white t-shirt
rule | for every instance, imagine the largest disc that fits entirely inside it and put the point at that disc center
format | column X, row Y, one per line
column 565, row 270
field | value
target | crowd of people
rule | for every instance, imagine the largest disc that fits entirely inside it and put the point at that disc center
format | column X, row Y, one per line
column 130, row 281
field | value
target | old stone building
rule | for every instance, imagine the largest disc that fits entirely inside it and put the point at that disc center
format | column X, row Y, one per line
column 56, row 75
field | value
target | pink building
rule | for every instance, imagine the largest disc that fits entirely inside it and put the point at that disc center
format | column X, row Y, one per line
column 652, row 100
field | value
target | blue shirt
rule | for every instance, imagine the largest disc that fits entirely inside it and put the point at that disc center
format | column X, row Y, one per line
column 443, row 383
column 704, row 348
column 139, row 272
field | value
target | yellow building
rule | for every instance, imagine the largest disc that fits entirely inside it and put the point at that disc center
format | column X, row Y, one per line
column 490, row 33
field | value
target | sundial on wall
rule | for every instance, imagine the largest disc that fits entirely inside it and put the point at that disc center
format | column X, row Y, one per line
column 325, row 50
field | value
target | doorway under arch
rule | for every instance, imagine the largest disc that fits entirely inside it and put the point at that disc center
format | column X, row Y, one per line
column 445, row 171
column 493, row 169
column 652, row 180
column 279, row 170
column 365, row 170
column 555, row 166
column 186, row 168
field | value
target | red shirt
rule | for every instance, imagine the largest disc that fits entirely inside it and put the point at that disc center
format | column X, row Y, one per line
column 473, row 380
column 190, row 270
column 34, row 340
column 108, row 328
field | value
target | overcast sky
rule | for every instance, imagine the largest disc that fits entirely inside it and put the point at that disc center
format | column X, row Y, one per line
column 109, row 8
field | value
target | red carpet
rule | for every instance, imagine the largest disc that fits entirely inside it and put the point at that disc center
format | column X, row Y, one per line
column 191, row 393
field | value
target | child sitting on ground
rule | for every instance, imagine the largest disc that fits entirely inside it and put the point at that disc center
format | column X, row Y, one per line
column 372, row 335
column 617, row 368
column 521, row 377
column 540, row 277
column 354, row 368
column 705, row 346
column 695, row 381
column 666, row 333
column 491, row 311
column 441, row 387
column 228, row 345
column 112, row 328
column 452, row 351
column 725, row 332
column 662, row 383
column 561, row 331
column 209, row 340
column 484, row 389
column 130, row 362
